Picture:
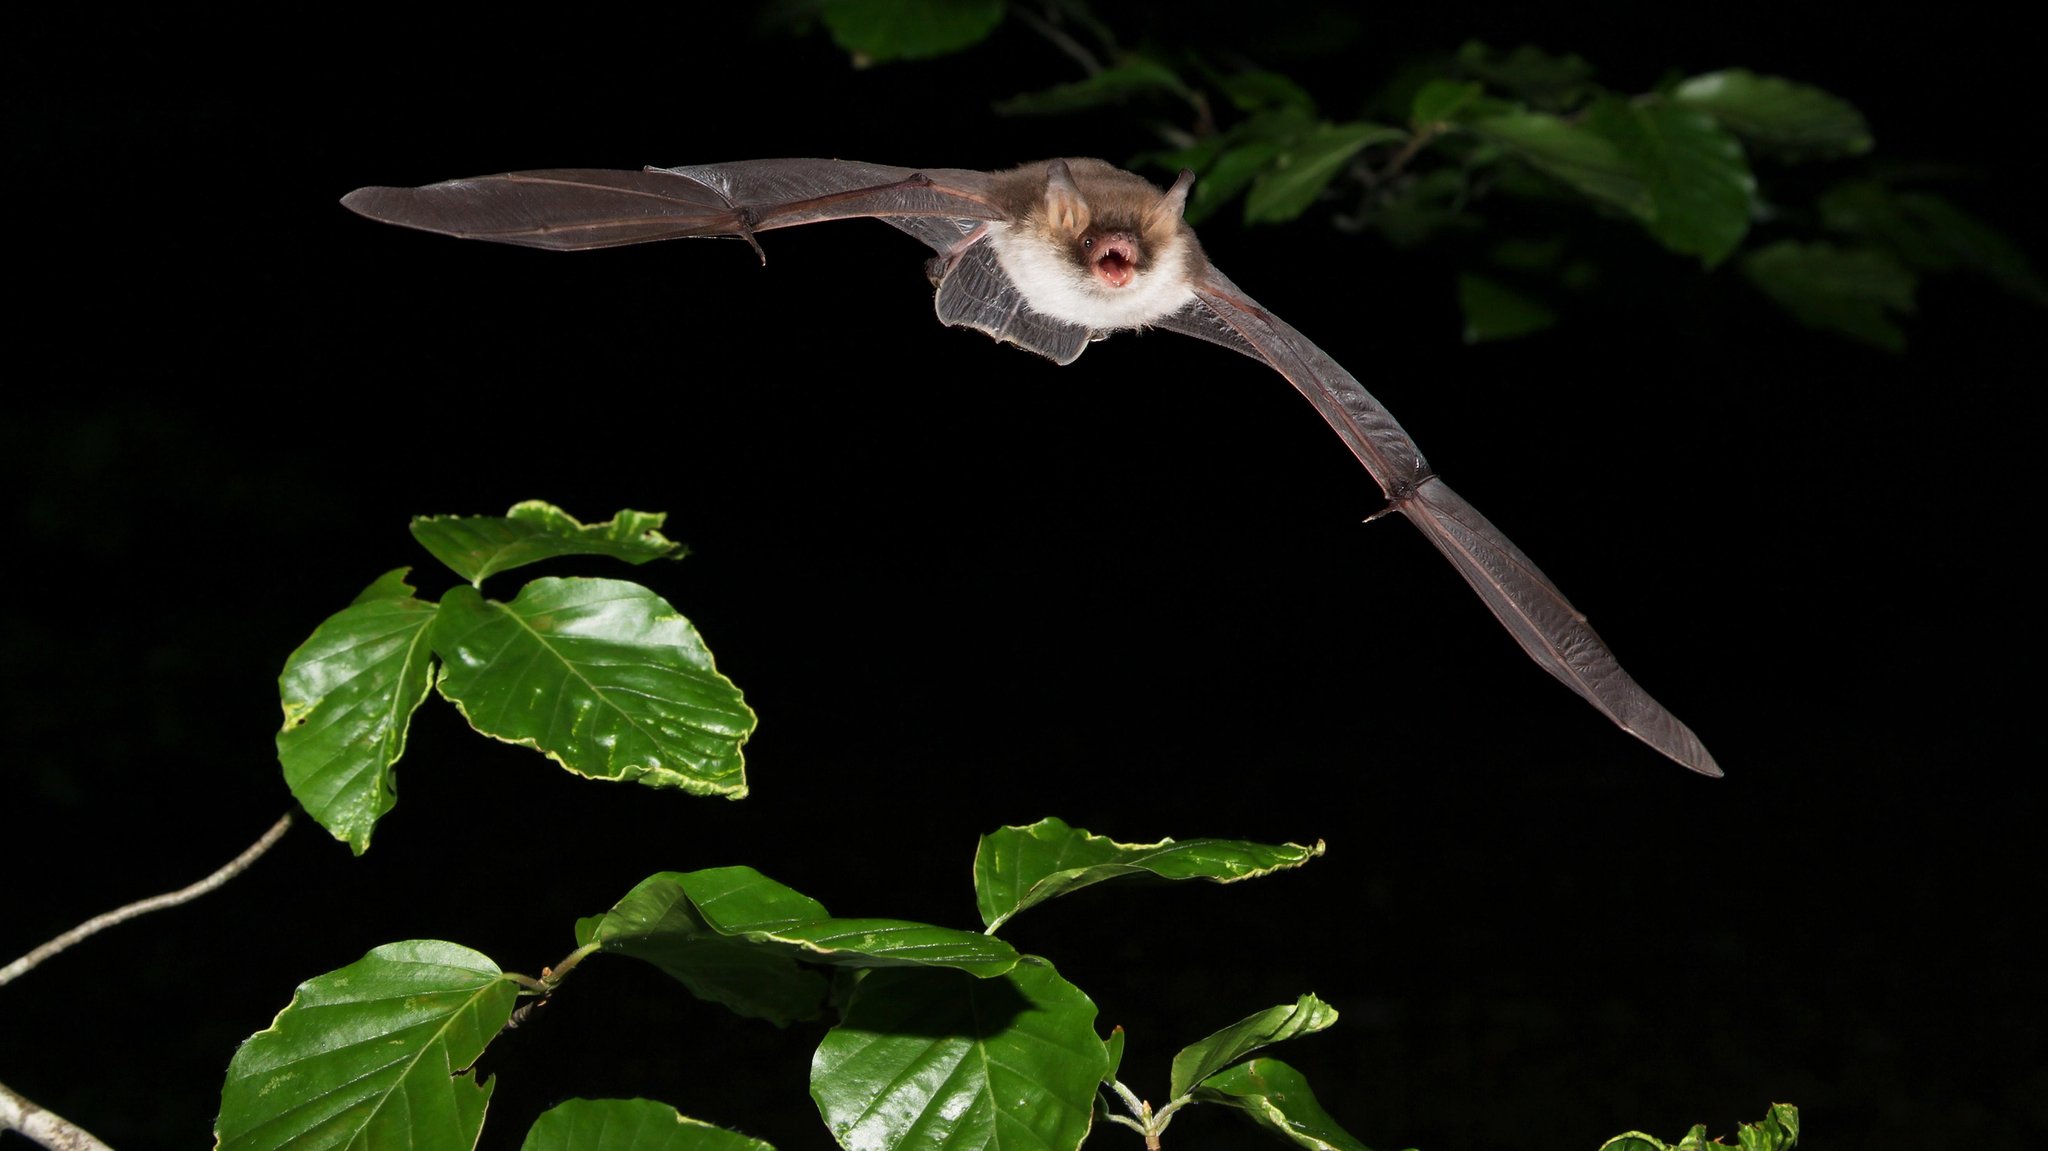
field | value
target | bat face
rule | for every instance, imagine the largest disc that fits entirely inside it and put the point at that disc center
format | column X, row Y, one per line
column 1087, row 243
column 1051, row 256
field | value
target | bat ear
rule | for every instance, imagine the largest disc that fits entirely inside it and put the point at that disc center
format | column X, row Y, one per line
column 1172, row 206
column 1065, row 209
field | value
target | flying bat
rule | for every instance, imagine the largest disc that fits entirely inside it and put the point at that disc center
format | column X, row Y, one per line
column 1050, row 256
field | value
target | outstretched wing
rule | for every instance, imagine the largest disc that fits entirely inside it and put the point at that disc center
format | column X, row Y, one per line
column 1553, row 632
column 568, row 209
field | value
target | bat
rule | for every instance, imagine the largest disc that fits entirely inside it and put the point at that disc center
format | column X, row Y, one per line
column 1051, row 256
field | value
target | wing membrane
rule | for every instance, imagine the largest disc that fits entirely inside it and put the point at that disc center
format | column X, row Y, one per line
column 1545, row 624
column 570, row 209
column 949, row 209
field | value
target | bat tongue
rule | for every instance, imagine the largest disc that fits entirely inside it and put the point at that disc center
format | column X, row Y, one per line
column 1116, row 260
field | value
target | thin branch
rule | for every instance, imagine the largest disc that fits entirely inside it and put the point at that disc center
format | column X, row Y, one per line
column 1059, row 39
column 44, row 1126
column 98, row 923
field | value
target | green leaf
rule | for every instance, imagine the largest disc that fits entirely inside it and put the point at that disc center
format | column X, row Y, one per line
column 733, row 936
column 390, row 585
column 1417, row 210
column 1929, row 234
column 1579, row 157
column 1551, row 82
column 349, row 693
column 1777, row 1131
column 375, row 1055
column 1112, row 85
column 1020, row 867
column 629, row 1125
column 742, row 903
column 1792, row 120
column 1198, row 1061
column 930, row 1061
column 1441, row 99
column 657, row 923
column 1227, row 164
column 1114, row 1045
column 1301, row 170
column 602, row 676
column 480, row 546
column 1234, row 170
column 878, row 30
column 1849, row 291
column 1699, row 183
column 1257, row 89
column 1276, row 1097
column 1494, row 311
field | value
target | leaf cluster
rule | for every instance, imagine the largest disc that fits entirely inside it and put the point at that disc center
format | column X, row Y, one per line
column 1518, row 164
column 602, row 676
column 943, row 1038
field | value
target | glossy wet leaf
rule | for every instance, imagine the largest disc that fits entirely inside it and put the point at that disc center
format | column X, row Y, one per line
column 1571, row 153
column 934, row 1061
column 1778, row 115
column 601, row 675
column 1300, row 171
column 1198, row 1061
column 1855, row 292
column 480, row 546
column 372, row 1056
column 878, row 30
column 657, row 923
column 1020, row 867
column 1698, row 180
column 1276, row 1097
column 1494, row 311
column 742, row 903
column 1776, row 1131
column 349, row 693
column 1114, row 1045
column 629, row 1125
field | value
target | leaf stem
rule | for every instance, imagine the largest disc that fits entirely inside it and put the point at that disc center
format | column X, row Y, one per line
column 1145, row 1121
column 551, row 978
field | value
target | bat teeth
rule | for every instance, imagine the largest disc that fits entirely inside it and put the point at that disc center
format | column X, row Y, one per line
column 1116, row 261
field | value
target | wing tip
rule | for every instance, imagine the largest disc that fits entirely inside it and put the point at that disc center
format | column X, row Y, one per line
column 1680, row 746
column 359, row 200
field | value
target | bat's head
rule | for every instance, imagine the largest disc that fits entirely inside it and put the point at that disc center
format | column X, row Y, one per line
column 1111, row 223
column 1100, row 246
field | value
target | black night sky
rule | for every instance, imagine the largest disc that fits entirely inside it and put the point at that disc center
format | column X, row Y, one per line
column 963, row 587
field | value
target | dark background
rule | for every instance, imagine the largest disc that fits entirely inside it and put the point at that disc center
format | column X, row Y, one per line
column 964, row 588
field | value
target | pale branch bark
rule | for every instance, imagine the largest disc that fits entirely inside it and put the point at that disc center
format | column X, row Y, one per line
column 99, row 923
column 18, row 1113
column 44, row 1126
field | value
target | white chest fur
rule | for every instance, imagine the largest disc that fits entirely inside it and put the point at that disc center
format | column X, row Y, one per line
column 1054, row 285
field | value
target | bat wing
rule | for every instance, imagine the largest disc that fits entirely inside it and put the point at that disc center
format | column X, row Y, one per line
column 569, row 209
column 1555, row 634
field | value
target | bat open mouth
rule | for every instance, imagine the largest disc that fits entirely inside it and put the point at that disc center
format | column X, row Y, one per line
column 1115, row 260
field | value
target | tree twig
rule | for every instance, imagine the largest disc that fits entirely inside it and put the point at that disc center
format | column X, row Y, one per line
column 99, row 923
column 44, row 1126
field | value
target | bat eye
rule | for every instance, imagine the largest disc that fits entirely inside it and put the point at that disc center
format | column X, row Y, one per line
column 1088, row 244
